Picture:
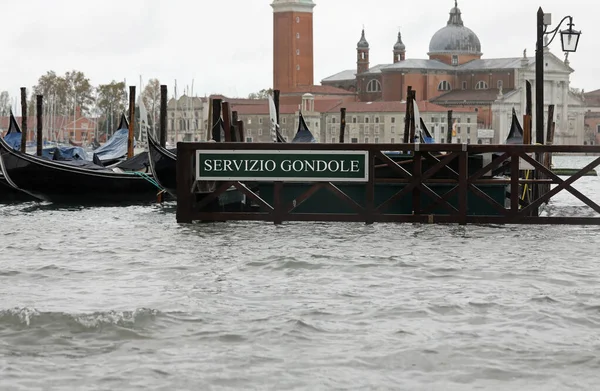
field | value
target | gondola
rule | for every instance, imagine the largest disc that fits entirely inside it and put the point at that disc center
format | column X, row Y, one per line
column 115, row 149
column 163, row 165
column 9, row 194
column 74, row 182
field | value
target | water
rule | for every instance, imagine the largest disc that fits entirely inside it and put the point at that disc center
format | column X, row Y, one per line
column 124, row 298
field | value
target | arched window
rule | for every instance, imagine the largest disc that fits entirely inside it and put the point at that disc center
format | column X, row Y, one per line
column 481, row 85
column 444, row 86
column 374, row 86
column 500, row 84
column 362, row 55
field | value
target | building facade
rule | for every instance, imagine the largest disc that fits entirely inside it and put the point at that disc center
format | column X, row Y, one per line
column 456, row 76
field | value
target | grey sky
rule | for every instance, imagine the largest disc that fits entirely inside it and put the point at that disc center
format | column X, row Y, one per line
column 226, row 46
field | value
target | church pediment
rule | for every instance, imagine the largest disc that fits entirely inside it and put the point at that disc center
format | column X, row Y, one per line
column 553, row 64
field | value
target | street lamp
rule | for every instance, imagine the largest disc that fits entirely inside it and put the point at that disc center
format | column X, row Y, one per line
column 569, row 40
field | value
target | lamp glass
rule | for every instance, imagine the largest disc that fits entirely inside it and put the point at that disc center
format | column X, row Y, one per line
column 570, row 40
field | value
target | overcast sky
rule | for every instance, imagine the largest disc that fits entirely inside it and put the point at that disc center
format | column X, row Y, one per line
column 226, row 46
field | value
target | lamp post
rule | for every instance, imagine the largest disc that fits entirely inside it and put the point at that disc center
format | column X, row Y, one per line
column 569, row 40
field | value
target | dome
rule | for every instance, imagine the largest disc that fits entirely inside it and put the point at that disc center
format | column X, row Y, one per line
column 362, row 44
column 455, row 38
column 399, row 46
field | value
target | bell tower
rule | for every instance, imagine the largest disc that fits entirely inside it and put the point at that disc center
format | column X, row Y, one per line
column 293, row 64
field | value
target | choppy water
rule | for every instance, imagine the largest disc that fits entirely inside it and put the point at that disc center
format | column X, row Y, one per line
column 124, row 298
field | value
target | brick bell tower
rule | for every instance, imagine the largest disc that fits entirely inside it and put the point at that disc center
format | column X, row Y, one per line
column 293, row 64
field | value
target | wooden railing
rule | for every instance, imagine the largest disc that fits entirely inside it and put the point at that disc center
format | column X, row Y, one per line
column 430, row 160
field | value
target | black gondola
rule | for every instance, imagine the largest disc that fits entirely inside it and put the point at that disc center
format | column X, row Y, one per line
column 163, row 165
column 73, row 182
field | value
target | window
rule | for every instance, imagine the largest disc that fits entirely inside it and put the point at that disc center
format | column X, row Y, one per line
column 333, row 120
column 366, row 140
column 468, row 141
column 249, row 121
column 464, row 85
column 353, row 120
column 298, row 67
column 392, row 140
column 433, row 120
column 333, row 140
column 393, row 129
column 598, row 128
column 297, row 35
column 455, row 60
column 500, row 84
column 297, row 19
column 366, row 120
column 260, row 132
column 297, row 52
column 316, row 124
column 354, row 140
column 458, row 140
column 444, row 86
column 442, row 129
column 260, row 120
column 362, row 55
column 468, row 130
column 468, row 120
column 443, row 140
column 374, row 86
column 376, row 120
column 479, row 141
column 283, row 121
column 481, row 85
column 248, row 139
column 376, row 140
column 393, row 120
column 377, row 130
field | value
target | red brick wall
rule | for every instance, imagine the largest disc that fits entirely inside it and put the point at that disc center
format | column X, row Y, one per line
column 285, row 45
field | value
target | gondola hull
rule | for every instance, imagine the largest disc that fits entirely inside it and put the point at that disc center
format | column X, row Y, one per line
column 9, row 194
column 163, row 164
column 61, row 183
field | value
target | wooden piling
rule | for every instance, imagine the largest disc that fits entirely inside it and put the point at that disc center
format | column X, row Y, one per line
column 226, row 120
column 240, row 125
column 40, row 128
column 23, row 119
column 276, row 94
column 216, row 116
column 163, row 115
column 527, row 117
column 413, row 99
column 209, row 124
column 449, row 132
column 342, row 124
column 407, row 115
column 234, row 131
column 131, row 136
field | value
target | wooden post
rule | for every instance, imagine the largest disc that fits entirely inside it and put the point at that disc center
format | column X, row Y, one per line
column 527, row 118
column 184, row 185
column 234, row 121
column 240, row 125
column 413, row 120
column 342, row 124
column 227, row 121
column 209, row 121
column 40, row 128
column 407, row 115
column 163, row 115
column 131, row 121
column 216, row 115
column 23, row 119
column 449, row 132
column 276, row 94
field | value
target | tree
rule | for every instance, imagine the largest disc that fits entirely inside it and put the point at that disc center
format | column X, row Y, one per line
column 4, row 103
column 151, row 99
column 262, row 94
column 111, row 100
column 63, row 92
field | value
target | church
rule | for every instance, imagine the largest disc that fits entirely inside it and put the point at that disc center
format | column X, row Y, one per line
column 454, row 75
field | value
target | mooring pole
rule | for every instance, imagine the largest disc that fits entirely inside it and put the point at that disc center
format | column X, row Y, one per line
column 130, row 138
column 209, row 120
column 413, row 120
column 216, row 116
column 527, row 119
column 407, row 116
column 234, row 121
column 276, row 94
column 40, row 128
column 240, row 125
column 449, row 132
column 342, row 124
column 163, row 116
column 23, row 119
column 226, row 121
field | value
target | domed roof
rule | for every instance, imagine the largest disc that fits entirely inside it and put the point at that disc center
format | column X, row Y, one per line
column 399, row 46
column 362, row 44
column 455, row 38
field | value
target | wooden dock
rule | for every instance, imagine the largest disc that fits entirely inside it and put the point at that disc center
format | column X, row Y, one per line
column 438, row 183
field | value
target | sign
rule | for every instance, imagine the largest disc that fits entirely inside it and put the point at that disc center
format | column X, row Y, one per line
column 287, row 166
